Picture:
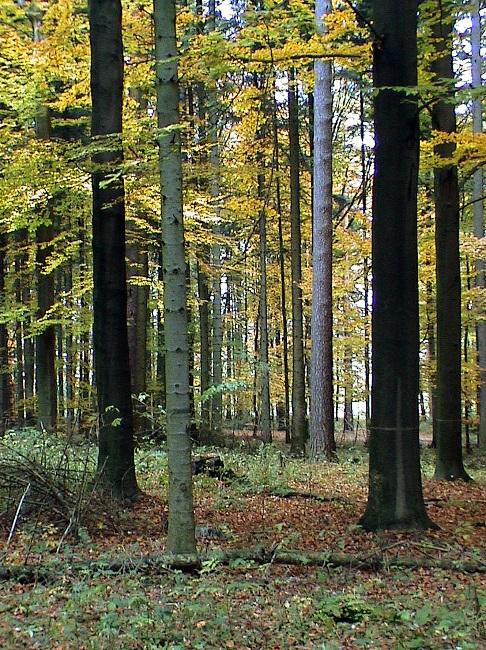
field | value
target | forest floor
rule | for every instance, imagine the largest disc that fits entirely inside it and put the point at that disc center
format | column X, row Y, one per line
column 274, row 502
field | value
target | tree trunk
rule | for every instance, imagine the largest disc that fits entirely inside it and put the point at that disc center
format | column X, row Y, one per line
column 366, row 262
column 5, row 397
column 265, row 422
column 321, row 431
column 205, row 360
column 181, row 533
column 110, row 337
column 45, row 342
column 217, row 342
column 395, row 497
column 297, row 437
column 478, row 210
column 448, row 414
column 137, row 317
column 285, row 411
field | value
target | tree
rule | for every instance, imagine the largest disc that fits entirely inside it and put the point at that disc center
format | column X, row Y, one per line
column 110, row 338
column 297, row 438
column 478, row 209
column 395, row 489
column 4, row 376
column 181, row 534
column 448, row 411
column 321, row 428
column 45, row 342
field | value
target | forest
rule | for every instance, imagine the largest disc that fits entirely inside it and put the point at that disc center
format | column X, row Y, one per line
column 242, row 324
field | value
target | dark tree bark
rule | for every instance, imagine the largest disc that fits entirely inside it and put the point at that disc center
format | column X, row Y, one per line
column 297, row 437
column 110, row 338
column 448, row 412
column 283, row 408
column 45, row 342
column 395, row 497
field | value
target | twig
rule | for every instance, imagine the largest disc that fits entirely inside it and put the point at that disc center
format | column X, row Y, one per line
column 17, row 514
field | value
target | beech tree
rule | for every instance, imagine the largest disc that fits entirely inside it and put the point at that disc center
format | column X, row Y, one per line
column 181, row 535
column 297, row 439
column 478, row 208
column 110, row 338
column 395, row 488
column 448, row 411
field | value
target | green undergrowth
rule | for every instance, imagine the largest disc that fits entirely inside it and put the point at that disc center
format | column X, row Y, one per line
column 242, row 607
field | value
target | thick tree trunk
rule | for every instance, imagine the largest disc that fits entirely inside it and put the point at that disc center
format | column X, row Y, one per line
column 448, row 413
column 297, row 437
column 181, row 534
column 321, row 431
column 110, row 337
column 395, row 497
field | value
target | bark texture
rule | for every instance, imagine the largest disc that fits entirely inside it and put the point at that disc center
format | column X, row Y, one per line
column 297, row 437
column 181, row 533
column 110, row 338
column 322, row 441
column 395, row 497
column 448, row 411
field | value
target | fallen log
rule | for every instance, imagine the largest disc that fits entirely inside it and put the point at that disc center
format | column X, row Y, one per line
column 28, row 574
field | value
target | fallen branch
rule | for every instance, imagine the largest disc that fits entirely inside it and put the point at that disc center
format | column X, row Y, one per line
column 284, row 493
column 159, row 563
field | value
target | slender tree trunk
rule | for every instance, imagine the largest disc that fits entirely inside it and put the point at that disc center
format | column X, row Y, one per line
column 205, row 378
column 45, row 342
column 137, row 317
column 322, row 440
column 160, row 360
column 70, row 360
column 283, row 292
column 203, row 268
column 432, row 359
column 217, row 341
column 110, row 337
column 181, row 534
column 348, row 419
column 366, row 262
column 5, row 397
column 20, row 239
column 265, row 421
column 448, row 415
column 395, row 488
column 297, row 438
column 478, row 210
